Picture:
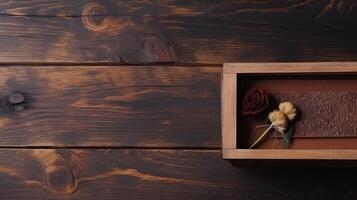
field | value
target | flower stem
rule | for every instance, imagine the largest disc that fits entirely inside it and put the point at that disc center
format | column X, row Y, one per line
column 261, row 137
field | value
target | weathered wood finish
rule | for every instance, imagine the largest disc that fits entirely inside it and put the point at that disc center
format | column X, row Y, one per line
column 145, row 118
column 159, row 174
column 205, row 31
column 112, row 174
column 112, row 106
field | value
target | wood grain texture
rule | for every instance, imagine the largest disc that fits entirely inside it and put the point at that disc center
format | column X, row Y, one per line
column 113, row 174
column 309, row 152
column 291, row 154
column 151, row 107
column 229, row 111
column 111, row 106
column 205, row 31
column 159, row 174
column 291, row 67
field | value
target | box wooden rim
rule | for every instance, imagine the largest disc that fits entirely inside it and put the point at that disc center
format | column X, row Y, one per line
column 229, row 110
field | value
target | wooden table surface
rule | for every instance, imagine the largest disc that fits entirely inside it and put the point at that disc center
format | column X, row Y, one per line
column 122, row 98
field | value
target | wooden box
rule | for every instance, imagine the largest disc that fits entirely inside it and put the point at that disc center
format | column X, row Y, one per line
column 302, row 78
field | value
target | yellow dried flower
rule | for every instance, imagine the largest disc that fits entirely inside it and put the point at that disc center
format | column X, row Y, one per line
column 279, row 120
column 288, row 109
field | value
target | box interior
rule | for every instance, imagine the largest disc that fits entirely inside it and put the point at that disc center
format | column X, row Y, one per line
column 303, row 85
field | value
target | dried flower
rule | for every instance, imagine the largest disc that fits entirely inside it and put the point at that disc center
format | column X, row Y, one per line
column 288, row 109
column 255, row 101
column 279, row 120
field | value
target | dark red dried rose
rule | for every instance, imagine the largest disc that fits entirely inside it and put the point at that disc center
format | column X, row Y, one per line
column 255, row 101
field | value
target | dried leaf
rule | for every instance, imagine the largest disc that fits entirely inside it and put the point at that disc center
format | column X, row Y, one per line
column 288, row 135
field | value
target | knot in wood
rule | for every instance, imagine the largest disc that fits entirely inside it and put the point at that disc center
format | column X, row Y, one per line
column 61, row 179
column 16, row 98
column 94, row 19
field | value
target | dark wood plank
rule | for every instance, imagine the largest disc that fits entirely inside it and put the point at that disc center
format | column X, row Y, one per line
column 160, row 174
column 111, row 106
column 205, row 31
column 113, row 174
